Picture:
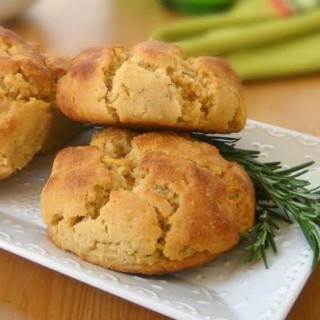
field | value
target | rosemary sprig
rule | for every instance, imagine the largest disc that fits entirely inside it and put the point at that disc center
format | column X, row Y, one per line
column 280, row 195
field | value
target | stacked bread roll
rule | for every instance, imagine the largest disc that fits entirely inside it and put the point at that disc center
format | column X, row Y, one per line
column 143, row 197
column 152, row 86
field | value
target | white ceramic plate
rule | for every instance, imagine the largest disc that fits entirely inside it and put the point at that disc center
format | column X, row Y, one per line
column 223, row 289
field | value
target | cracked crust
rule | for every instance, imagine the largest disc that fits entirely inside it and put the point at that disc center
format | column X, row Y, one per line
column 152, row 86
column 27, row 96
column 149, row 203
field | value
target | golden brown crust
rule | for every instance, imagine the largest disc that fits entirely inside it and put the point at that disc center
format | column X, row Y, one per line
column 27, row 97
column 17, row 56
column 151, row 203
column 152, row 86
column 87, row 85
column 26, row 86
column 57, row 65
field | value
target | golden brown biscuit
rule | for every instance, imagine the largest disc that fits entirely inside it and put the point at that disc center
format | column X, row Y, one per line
column 152, row 203
column 27, row 95
column 152, row 86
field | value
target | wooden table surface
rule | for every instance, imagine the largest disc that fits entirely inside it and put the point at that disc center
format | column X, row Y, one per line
column 30, row 291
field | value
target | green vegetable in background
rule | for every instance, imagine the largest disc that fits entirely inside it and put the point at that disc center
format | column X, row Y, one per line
column 298, row 56
column 254, row 37
column 221, row 41
column 245, row 12
column 198, row 6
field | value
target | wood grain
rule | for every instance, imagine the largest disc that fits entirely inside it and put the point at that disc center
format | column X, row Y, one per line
column 29, row 291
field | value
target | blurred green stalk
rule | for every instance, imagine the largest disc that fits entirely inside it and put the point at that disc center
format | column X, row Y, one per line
column 244, row 12
column 230, row 39
column 294, row 57
column 197, row 6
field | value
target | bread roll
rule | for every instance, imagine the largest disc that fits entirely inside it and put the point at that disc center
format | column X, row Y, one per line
column 27, row 97
column 149, row 203
column 152, row 86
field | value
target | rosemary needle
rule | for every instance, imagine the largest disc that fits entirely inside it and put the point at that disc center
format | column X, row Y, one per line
column 280, row 195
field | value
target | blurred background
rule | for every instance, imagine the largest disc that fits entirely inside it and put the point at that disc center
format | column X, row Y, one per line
column 262, row 39
column 88, row 22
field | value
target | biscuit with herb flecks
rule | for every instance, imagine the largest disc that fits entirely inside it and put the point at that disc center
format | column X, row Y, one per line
column 149, row 203
column 152, row 86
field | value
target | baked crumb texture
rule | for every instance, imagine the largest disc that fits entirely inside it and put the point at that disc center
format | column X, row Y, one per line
column 28, row 117
column 152, row 86
column 150, row 203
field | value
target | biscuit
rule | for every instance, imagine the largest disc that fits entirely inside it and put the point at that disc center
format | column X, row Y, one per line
column 27, row 112
column 149, row 203
column 152, row 86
